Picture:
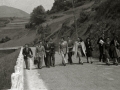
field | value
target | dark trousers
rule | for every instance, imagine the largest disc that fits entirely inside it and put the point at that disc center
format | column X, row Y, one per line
column 45, row 60
column 70, row 57
column 48, row 59
column 26, row 63
column 52, row 59
column 101, row 57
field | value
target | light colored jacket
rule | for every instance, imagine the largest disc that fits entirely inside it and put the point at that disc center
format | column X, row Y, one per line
column 76, row 49
column 40, row 51
column 63, row 47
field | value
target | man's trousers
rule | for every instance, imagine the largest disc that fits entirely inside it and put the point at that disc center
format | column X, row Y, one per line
column 27, row 63
column 52, row 59
column 40, row 61
column 70, row 57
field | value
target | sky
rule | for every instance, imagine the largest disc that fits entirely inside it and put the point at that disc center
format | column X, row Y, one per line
column 27, row 5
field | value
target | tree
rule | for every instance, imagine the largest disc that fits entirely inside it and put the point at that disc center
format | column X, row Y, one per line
column 38, row 15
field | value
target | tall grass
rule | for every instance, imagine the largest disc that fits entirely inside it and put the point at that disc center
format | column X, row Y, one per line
column 7, row 64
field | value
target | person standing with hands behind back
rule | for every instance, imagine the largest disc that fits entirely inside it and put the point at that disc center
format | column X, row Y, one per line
column 27, row 53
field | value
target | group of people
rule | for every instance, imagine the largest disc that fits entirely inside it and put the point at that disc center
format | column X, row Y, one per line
column 109, row 49
column 46, row 51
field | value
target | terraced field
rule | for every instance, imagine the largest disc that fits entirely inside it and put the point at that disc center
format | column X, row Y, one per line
column 17, row 32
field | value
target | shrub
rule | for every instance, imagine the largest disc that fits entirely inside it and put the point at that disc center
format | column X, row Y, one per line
column 5, row 39
column 38, row 15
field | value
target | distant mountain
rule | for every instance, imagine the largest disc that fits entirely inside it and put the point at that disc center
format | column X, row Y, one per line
column 6, row 11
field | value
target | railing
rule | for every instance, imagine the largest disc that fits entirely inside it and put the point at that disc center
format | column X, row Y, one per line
column 17, row 78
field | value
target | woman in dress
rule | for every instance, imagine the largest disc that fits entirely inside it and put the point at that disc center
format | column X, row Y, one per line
column 115, row 53
column 40, row 53
column 89, row 50
column 78, row 46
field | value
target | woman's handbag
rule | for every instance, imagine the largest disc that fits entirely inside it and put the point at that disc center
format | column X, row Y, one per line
column 35, row 61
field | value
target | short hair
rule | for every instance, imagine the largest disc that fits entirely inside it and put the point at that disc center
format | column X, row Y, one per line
column 40, row 41
column 46, row 41
column 87, row 38
column 26, row 44
column 62, row 38
column 80, row 39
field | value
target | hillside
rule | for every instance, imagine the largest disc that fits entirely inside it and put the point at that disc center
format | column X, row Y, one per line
column 93, row 18
column 6, row 11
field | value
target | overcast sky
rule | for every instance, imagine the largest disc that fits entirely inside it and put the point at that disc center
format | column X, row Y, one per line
column 27, row 5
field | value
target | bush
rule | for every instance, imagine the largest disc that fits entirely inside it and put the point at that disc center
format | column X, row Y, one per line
column 66, row 8
column 38, row 15
column 83, row 17
column 6, row 39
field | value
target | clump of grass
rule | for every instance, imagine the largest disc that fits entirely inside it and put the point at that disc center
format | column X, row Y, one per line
column 7, row 64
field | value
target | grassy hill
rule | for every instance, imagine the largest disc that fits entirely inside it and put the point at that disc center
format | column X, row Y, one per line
column 6, row 11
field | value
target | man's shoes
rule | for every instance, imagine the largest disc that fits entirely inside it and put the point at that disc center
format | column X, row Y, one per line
column 108, row 63
column 64, row 64
column 116, row 64
column 81, row 63
column 53, row 65
column 91, row 62
column 48, row 66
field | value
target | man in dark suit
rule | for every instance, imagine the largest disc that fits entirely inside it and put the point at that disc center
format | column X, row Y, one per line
column 101, row 57
column 52, row 52
column 47, row 50
column 27, row 53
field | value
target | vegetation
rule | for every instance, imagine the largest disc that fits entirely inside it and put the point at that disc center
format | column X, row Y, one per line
column 43, row 31
column 6, row 39
column 7, row 64
column 64, row 5
column 38, row 15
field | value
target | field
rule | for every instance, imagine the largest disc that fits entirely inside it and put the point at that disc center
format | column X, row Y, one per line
column 7, row 63
column 17, row 32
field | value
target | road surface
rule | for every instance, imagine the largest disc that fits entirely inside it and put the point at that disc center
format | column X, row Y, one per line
column 96, row 76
